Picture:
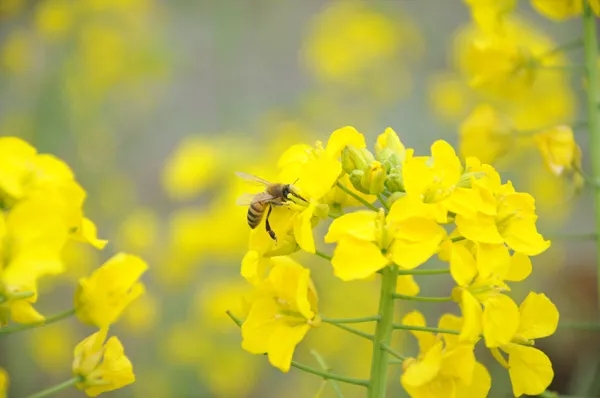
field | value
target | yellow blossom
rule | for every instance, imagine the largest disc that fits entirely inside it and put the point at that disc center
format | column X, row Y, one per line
column 530, row 369
column 190, row 168
column 485, row 134
column 489, row 14
column 4, row 383
column 54, row 18
column 101, row 365
column 101, row 298
column 444, row 366
column 558, row 10
column 559, row 149
column 367, row 241
column 281, row 315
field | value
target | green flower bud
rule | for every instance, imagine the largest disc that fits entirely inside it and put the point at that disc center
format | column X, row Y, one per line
column 388, row 157
column 356, row 159
column 373, row 179
column 394, row 182
column 466, row 181
column 356, row 179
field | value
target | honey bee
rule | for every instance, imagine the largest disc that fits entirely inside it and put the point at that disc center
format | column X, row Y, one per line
column 275, row 194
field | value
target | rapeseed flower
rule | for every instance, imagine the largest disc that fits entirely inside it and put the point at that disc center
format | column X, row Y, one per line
column 444, row 366
column 101, row 298
column 283, row 311
column 101, row 365
column 367, row 240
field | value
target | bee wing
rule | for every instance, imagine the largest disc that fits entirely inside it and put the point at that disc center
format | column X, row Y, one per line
column 249, row 198
column 251, row 178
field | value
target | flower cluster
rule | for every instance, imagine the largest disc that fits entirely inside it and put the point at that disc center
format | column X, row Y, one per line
column 515, row 98
column 413, row 208
column 41, row 211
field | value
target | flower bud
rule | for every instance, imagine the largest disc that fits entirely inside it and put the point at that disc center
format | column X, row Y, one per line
column 356, row 159
column 374, row 178
column 394, row 183
column 356, row 179
column 388, row 144
column 466, row 180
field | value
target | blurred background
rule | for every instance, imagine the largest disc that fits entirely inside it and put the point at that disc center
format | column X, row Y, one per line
column 155, row 104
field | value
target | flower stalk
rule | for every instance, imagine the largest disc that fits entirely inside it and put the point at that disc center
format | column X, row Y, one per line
column 383, row 334
column 57, row 388
column 590, row 44
column 51, row 319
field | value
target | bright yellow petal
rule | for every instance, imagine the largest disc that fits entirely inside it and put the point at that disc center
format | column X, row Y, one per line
column 359, row 224
column 259, row 326
column 473, row 318
column 426, row 339
column 463, row 267
column 317, row 177
column 521, row 235
column 520, row 267
column 500, row 320
column 21, row 311
column 425, row 369
column 303, row 229
column 282, row 344
column 356, row 259
column 481, row 228
column 406, row 284
column 492, row 260
column 450, row 322
column 539, row 316
column 459, row 362
column 480, row 387
column 342, row 137
column 530, row 370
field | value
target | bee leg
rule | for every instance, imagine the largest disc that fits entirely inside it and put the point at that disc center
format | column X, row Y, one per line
column 268, row 225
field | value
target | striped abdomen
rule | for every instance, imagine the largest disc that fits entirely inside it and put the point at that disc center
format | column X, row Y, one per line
column 255, row 213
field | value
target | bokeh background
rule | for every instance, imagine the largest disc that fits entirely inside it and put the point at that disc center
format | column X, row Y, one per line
column 155, row 104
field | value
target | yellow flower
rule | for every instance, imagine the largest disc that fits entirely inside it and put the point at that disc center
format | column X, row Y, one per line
column 505, row 65
column 348, row 40
column 480, row 273
column 558, row 10
column 283, row 311
column 316, row 171
column 489, row 14
column 367, row 241
column 189, row 169
column 54, row 18
column 444, row 367
column 530, row 369
column 4, row 383
column 101, row 298
column 512, row 220
column 139, row 230
column 559, row 149
column 101, row 365
column 485, row 134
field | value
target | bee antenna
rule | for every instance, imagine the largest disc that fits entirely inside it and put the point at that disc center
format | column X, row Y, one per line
column 295, row 181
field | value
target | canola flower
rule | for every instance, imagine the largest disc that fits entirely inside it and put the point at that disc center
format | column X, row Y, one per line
column 409, row 208
column 41, row 213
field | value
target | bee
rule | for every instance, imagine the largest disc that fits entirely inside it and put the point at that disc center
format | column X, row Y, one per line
column 275, row 194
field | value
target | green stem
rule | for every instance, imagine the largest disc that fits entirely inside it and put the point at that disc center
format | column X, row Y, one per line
column 59, row 387
column 424, row 329
column 424, row 271
column 383, row 334
column 423, row 299
column 330, row 376
column 351, row 320
column 590, row 44
column 393, row 352
column 323, row 365
column 383, row 202
column 549, row 394
column 355, row 196
column 308, row 369
column 47, row 321
column 323, row 255
column 352, row 330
